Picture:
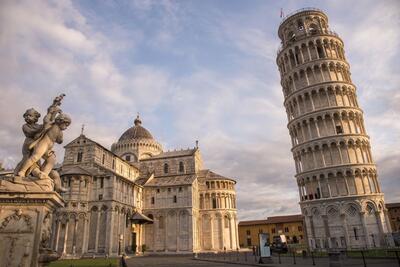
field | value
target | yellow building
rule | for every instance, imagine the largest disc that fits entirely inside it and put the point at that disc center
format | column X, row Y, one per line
column 290, row 225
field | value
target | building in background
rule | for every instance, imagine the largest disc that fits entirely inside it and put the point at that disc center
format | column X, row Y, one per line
column 339, row 190
column 291, row 226
column 394, row 216
column 136, row 195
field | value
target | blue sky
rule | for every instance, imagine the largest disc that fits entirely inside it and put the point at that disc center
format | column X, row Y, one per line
column 194, row 70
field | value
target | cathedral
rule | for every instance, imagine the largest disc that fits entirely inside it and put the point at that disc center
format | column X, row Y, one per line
column 138, row 198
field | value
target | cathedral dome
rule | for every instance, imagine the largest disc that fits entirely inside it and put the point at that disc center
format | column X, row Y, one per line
column 136, row 132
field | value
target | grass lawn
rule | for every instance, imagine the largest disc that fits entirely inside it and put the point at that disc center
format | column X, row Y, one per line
column 86, row 263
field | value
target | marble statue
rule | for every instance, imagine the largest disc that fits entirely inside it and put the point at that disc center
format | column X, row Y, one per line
column 29, row 197
column 38, row 157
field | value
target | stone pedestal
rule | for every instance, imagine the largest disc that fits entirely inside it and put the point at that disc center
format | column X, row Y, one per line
column 25, row 227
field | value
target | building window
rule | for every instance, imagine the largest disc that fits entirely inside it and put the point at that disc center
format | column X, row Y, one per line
column 100, row 196
column 169, row 189
column 126, row 221
column 103, row 159
column 128, row 158
column 101, row 182
column 248, row 232
column 300, row 228
column 249, row 241
column 152, row 200
column 339, row 129
column 113, row 164
column 214, row 203
column 79, row 158
column 158, row 190
column 175, row 199
column 180, row 189
column 273, row 230
column 286, row 229
column 227, row 222
column 166, row 168
column 355, row 233
column 181, row 167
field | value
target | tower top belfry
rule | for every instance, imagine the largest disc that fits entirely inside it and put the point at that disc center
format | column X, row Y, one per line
column 340, row 195
column 301, row 22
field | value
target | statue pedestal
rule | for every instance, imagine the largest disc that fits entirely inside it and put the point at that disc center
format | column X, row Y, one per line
column 25, row 227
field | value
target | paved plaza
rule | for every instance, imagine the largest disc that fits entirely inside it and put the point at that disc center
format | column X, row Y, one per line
column 183, row 261
column 174, row 261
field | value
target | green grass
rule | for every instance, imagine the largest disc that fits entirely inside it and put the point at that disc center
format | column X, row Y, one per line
column 372, row 253
column 85, row 263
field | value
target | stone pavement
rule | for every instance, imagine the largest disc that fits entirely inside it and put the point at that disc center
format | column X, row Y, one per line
column 174, row 261
column 183, row 261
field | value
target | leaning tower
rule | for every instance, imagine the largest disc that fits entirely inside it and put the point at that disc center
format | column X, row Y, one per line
column 340, row 195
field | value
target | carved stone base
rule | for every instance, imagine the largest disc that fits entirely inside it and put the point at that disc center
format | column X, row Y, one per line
column 26, row 184
column 25, row 226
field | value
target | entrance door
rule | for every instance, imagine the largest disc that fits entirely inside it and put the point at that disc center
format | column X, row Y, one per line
column 134, row 245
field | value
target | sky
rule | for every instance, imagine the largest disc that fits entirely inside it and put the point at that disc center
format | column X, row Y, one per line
column 194, row 70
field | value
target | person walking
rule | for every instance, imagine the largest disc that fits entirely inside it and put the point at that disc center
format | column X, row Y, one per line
column 122, row 262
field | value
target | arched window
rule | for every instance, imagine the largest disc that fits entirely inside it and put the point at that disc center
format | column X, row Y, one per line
column 313, row 29
column 226, row 220
column 80, row 156
column 166, row 168
column 181, row 167
column 214, row 202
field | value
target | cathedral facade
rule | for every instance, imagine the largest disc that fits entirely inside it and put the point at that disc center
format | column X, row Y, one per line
column 137, row 197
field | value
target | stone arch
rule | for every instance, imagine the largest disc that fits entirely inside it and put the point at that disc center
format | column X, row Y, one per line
column 184, row 222
column 206, row 232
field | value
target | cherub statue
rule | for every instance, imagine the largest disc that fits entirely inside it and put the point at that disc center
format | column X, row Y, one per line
column 39, row 143
column 30, row 129
column 42, row 147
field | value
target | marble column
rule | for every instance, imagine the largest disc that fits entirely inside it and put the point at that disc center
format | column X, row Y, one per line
column 365, row 230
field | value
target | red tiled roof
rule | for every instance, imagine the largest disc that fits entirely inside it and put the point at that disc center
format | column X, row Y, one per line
column 274, row 219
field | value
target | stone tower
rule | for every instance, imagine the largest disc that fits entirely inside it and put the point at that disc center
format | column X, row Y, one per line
column 340, row 196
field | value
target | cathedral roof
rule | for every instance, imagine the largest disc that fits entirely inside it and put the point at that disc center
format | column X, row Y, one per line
column 75, row 170
column 275, row 219
column 136, row 132
column 172, row 180
column 173, row 154
column 210, row 175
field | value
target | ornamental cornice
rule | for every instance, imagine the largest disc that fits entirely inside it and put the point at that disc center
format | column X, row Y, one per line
column 329, row 140
column 342, row 202
column 315, row 62
column 323, row 112
column 319, row 85
column 343, row 168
